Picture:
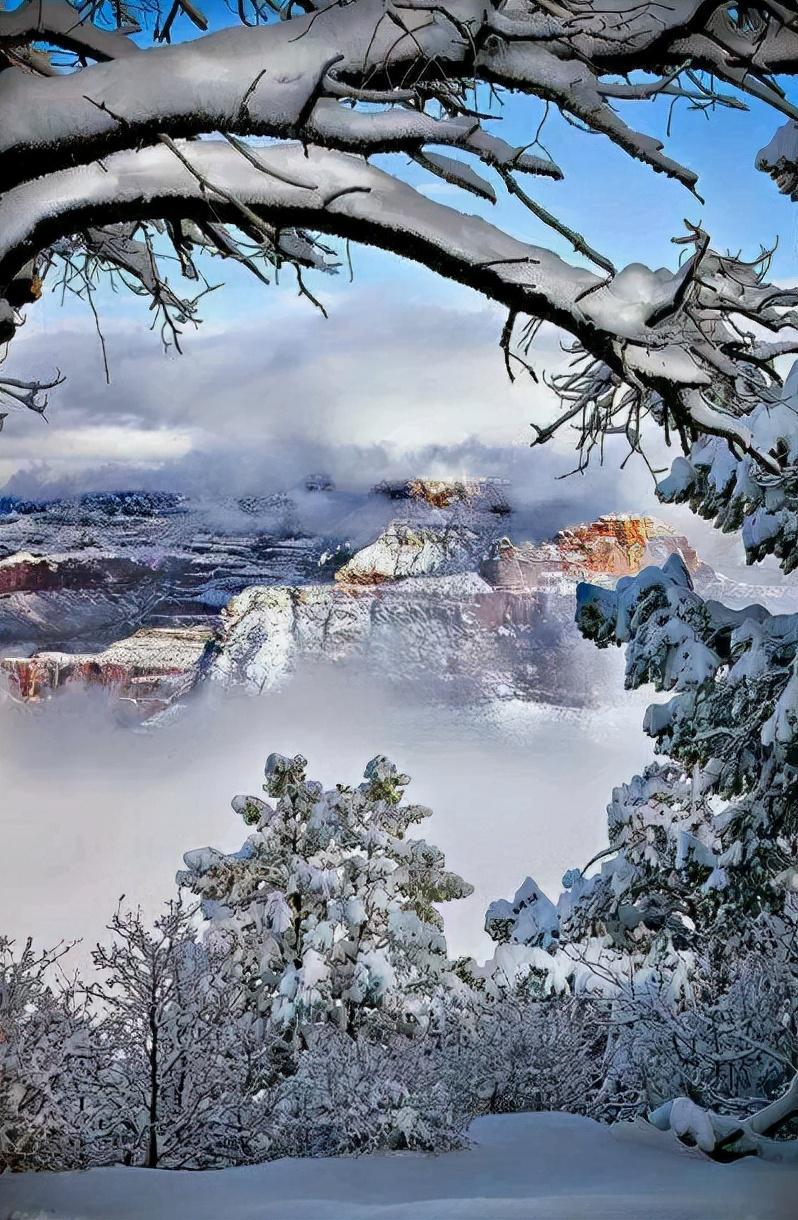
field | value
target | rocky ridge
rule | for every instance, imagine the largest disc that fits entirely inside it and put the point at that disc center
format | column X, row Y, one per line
column 427, row 605
column 76, row 573
column 440, row 597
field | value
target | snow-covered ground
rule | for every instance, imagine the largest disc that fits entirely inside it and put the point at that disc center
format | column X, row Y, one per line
column 519, row 1167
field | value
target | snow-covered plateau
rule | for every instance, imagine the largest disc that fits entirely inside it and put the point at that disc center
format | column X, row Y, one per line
column 518, row 1167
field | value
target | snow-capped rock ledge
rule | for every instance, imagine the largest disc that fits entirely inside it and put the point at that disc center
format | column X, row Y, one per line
column 148, row 671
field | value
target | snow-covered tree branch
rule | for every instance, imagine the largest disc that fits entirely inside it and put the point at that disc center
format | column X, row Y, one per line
column 106, row 126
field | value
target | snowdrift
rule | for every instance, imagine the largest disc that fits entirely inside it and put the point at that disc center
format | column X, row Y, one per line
column 519, row 1167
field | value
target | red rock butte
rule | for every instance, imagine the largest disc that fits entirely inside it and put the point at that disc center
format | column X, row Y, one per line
column 615, row 545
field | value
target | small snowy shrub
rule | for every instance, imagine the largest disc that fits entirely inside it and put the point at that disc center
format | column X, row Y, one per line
column 352, row 1095
column 48, row 1093
column 536, row 1055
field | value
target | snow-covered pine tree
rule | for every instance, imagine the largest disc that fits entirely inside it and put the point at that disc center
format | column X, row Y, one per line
column 329, row 908
column 694, row 992
column 183, row 1059
column 706, row 840
column 691, row 924
column 732, row 723
column 648, row 897
column 635, row 920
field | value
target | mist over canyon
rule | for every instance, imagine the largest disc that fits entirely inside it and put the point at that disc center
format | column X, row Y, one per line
column 433, row 585
column 422, row 619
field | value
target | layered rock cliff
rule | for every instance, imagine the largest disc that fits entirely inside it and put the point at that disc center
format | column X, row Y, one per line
column 502, row 631
column 439, row 598
column 66, row 597
column 83, row 571
column 615, row 545
column 145, row 672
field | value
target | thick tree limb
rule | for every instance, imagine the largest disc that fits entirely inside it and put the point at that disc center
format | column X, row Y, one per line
column 229, row 81
column 655, row 333
column 78, row 157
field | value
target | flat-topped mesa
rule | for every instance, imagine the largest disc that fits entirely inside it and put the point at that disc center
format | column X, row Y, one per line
column 148, row 670
column 445, row 526
column 615, row 545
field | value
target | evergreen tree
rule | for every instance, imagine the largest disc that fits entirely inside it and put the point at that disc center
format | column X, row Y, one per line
column 690, row 926
column 731, row 724
column 328, row 908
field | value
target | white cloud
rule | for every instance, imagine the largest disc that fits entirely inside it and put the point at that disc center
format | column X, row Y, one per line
column 384, row 370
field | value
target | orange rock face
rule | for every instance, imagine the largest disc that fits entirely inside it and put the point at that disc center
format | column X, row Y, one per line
column 613, row 546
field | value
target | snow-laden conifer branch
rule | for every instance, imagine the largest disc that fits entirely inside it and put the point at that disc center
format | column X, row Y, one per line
column 735, row 492
column 733, row 712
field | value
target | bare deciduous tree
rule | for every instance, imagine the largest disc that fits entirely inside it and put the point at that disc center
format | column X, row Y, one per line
column 182, row 1059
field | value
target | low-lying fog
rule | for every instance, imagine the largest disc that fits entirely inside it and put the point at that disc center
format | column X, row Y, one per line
column 91, row 810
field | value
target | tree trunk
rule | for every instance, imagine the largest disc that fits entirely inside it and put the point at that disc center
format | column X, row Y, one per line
column 152, row 1136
